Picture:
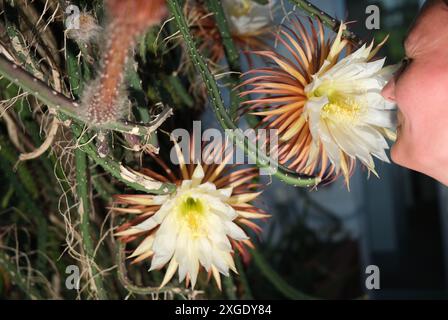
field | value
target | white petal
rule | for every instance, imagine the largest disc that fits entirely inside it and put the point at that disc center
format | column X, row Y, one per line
column 257, row 17
column 217, row 233
column 380, row 118
column 204, row 249
column 198, row 175
column 183, row 269
column 157, row 200
column 235, row 232
column 222, row 209
column 348, row 142
column 186, row 184
column 312, row 110
column 207, row 187
column 225, row 193
column 230, row 262
column 169, row 272
column 181, row 254
column 193, row 265
column 164, row 210
column 158, row 261
column 164, row 244
column 145, row 246
column 146, row 225
column 220, row 262
column 330, row 145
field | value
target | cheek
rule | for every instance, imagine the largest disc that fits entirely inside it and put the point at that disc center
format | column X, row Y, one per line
column 422, row 99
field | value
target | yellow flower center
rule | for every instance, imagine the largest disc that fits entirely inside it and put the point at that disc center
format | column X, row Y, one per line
column 340, row 108
column 241, row 9
column 192, row 210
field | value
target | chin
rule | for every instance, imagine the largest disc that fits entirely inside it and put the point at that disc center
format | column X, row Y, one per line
column 401, row 151
column 401, row 156
column 395, row 154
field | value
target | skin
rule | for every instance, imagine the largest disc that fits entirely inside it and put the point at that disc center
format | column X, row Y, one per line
column 420, row 89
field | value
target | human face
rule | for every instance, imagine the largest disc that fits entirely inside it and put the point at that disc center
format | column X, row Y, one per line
column 420, row 89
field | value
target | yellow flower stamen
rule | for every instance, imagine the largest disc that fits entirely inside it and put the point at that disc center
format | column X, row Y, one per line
column 241, row 9
column 342, row 111
column 341, row 108
column 192, row 211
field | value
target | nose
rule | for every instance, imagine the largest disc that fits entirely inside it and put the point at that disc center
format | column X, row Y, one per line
column 388, row 91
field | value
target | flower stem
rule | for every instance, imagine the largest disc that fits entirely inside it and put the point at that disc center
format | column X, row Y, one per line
column 229, row 287
column 179, row 88
column 231, row 52
column 247, row 293
column 84, row 213
column 276, row 279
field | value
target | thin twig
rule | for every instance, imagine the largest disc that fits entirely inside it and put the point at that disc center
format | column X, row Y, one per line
column 44, row 146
